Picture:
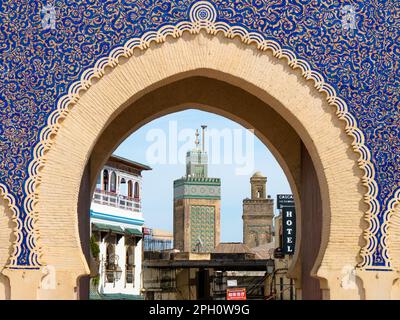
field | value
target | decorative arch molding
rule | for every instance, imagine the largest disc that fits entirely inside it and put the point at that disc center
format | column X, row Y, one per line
column 9, row 200
column 391, row 231
column 9, row 224
column 203, row 17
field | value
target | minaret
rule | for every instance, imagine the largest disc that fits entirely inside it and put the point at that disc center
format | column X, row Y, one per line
column 258, row 186
column 258, row 213
column 197, row 203
column 197, row 160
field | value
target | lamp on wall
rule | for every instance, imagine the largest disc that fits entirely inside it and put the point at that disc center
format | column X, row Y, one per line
column 117, row 273
column 278, row 253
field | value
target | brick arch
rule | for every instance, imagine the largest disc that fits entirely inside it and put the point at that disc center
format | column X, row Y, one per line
column 240, row 65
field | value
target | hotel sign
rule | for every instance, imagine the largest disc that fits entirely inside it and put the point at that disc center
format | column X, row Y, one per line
column 288, row 230
column 284, row 200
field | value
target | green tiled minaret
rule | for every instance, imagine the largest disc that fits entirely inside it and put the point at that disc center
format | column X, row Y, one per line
column 197, row 204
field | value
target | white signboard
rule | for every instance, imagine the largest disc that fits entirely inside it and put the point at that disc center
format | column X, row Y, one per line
column 231, row 283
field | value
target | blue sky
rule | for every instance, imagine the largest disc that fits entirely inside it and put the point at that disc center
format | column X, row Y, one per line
column 157, row 144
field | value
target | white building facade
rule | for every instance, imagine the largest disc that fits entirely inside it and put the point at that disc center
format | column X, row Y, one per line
column 116, row 228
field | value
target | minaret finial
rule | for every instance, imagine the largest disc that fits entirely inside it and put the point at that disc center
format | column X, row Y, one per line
column 197, row 142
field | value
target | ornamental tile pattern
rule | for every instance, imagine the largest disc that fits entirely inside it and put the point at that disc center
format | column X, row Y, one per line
column 41, row 70
column 183, row 189
column 202, row 228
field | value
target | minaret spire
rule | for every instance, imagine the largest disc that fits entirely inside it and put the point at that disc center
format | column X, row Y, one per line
column 203, row 128
column 197, row 158
column 197, row 142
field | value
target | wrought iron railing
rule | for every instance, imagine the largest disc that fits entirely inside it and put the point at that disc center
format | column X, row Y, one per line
column 116, row 200
column 151, row 244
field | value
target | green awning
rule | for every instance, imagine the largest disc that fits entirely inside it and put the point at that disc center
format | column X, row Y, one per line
column 133, row 232
column 115, row 296
column 107, row 228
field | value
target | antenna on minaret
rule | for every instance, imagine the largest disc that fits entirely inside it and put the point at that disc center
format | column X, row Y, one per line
column 203, row 127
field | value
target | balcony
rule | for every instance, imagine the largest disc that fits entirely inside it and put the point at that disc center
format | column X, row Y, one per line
column 115, row 200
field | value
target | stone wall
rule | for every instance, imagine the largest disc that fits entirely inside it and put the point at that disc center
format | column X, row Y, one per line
column 257, row 221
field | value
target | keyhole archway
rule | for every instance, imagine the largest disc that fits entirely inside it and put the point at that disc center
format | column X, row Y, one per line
column 232, row 79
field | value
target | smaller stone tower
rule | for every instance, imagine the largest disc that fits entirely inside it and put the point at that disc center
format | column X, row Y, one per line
column 258, row 213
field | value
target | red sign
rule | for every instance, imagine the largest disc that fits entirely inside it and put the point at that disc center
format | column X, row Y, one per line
column 236, row 294
column 147, row 231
